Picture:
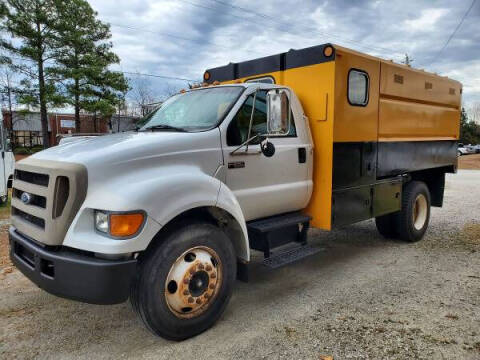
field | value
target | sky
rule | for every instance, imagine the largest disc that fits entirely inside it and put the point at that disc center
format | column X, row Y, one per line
column 182, row 38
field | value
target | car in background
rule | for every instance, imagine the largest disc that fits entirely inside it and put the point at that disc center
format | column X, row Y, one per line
column 465, row 149
column 476, row 148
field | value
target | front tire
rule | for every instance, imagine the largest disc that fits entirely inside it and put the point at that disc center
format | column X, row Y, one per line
column 413, row 219
column 185, row 282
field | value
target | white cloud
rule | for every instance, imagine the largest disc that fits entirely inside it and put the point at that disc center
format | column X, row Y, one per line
column 216, row 34
column 426, row 21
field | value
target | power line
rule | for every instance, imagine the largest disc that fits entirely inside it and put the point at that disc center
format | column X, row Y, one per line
column 170, row 35
column 271, row 18
column 454, row 31
column 157, row 76
column 325, row 34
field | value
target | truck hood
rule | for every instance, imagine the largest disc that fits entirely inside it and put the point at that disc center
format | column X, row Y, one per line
column 139, row 149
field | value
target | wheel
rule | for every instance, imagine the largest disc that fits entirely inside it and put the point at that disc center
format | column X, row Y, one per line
column 387, row 225
column 184, row 284
column 412, row 221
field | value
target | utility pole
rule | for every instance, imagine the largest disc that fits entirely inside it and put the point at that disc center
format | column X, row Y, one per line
column 408, row 60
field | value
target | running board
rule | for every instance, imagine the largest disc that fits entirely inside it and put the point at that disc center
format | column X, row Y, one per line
column 276, row 231
column 290, row 255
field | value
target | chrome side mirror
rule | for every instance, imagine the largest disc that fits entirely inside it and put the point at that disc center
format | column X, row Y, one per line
column 278, row 112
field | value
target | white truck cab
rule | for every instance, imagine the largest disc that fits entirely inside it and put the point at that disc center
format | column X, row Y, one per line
column 104, row 201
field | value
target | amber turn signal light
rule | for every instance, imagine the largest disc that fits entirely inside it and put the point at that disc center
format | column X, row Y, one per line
column 328, row 51
column 123, row 225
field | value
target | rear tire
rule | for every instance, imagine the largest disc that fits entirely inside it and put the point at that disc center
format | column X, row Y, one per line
column 413, row 219
column 185, row 282
column 387, row 225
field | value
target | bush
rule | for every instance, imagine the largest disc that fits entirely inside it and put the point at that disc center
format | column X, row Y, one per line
column 21, row 151
column 36, row 148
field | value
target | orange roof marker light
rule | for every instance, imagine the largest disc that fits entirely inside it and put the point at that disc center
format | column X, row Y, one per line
column 328, row 51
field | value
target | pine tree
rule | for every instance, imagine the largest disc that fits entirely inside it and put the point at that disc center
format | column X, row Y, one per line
column 84, row 55
column 31, row 30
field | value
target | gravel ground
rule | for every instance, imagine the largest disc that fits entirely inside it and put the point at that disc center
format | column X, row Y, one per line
column 362, row 297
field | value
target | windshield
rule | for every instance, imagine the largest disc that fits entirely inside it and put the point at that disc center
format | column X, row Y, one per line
column 196, row 110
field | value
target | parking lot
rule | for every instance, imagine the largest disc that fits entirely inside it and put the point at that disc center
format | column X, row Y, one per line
column 361, row 297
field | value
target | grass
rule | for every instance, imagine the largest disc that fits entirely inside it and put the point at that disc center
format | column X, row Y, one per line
column 5, row 208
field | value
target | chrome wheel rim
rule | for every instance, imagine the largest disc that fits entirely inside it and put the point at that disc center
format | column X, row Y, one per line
column 193, row 282
column 420, row 210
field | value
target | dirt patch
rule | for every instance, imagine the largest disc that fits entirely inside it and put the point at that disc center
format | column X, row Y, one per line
column 471, row 234
column 466, row 239
column 19, row 157
column 469, row 162
column 4, row 249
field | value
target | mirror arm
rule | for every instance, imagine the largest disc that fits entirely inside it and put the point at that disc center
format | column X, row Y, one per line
column 246, row 142
column 251, row 117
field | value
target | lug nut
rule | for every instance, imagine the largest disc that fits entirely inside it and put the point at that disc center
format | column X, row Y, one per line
column 190, row 300
column 200, row 266
column 213, row 275
column 199, row 301
column 208, row 268
column 186, row 280
column 212, row 286
column 186, row 292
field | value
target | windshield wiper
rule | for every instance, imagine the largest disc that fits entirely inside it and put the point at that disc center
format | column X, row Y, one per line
column 165, row 127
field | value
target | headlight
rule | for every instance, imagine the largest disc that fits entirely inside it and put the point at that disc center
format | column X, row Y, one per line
column 101, row 221
column 119, row 225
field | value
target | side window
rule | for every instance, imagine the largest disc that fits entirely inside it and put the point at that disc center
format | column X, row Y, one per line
column 264, row 80
column 237, row 132
column 358, row 87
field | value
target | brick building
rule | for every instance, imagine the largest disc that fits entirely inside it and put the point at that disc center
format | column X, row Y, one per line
column 26, row 127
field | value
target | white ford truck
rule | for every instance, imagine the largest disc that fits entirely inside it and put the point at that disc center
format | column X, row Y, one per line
column 167, row 215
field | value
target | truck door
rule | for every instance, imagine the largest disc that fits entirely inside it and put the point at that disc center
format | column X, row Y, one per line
column 264, row 186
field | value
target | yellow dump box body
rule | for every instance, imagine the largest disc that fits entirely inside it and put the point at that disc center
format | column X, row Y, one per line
column 372, row 121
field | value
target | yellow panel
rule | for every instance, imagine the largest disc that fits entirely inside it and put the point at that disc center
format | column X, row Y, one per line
column 314, row 86
column 409, row 121
column 355, row 123
column 400, row 81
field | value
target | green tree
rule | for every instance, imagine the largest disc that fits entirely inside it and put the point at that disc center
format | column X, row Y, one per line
column 84, row 54
column 30, row 25
column 469, row 130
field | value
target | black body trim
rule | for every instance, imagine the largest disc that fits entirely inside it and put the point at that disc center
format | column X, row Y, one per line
column 71, row 275
column 368, row 176
column 354, row 164
column 279, row 62
column 400, row 157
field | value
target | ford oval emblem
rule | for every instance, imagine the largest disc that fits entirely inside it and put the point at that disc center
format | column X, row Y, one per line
column 26, row 198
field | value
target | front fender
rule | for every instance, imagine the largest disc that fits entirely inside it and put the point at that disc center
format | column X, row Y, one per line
column 228, row 202
column 162, row 197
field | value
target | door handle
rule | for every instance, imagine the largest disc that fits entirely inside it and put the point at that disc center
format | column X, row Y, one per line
column 302, row 155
